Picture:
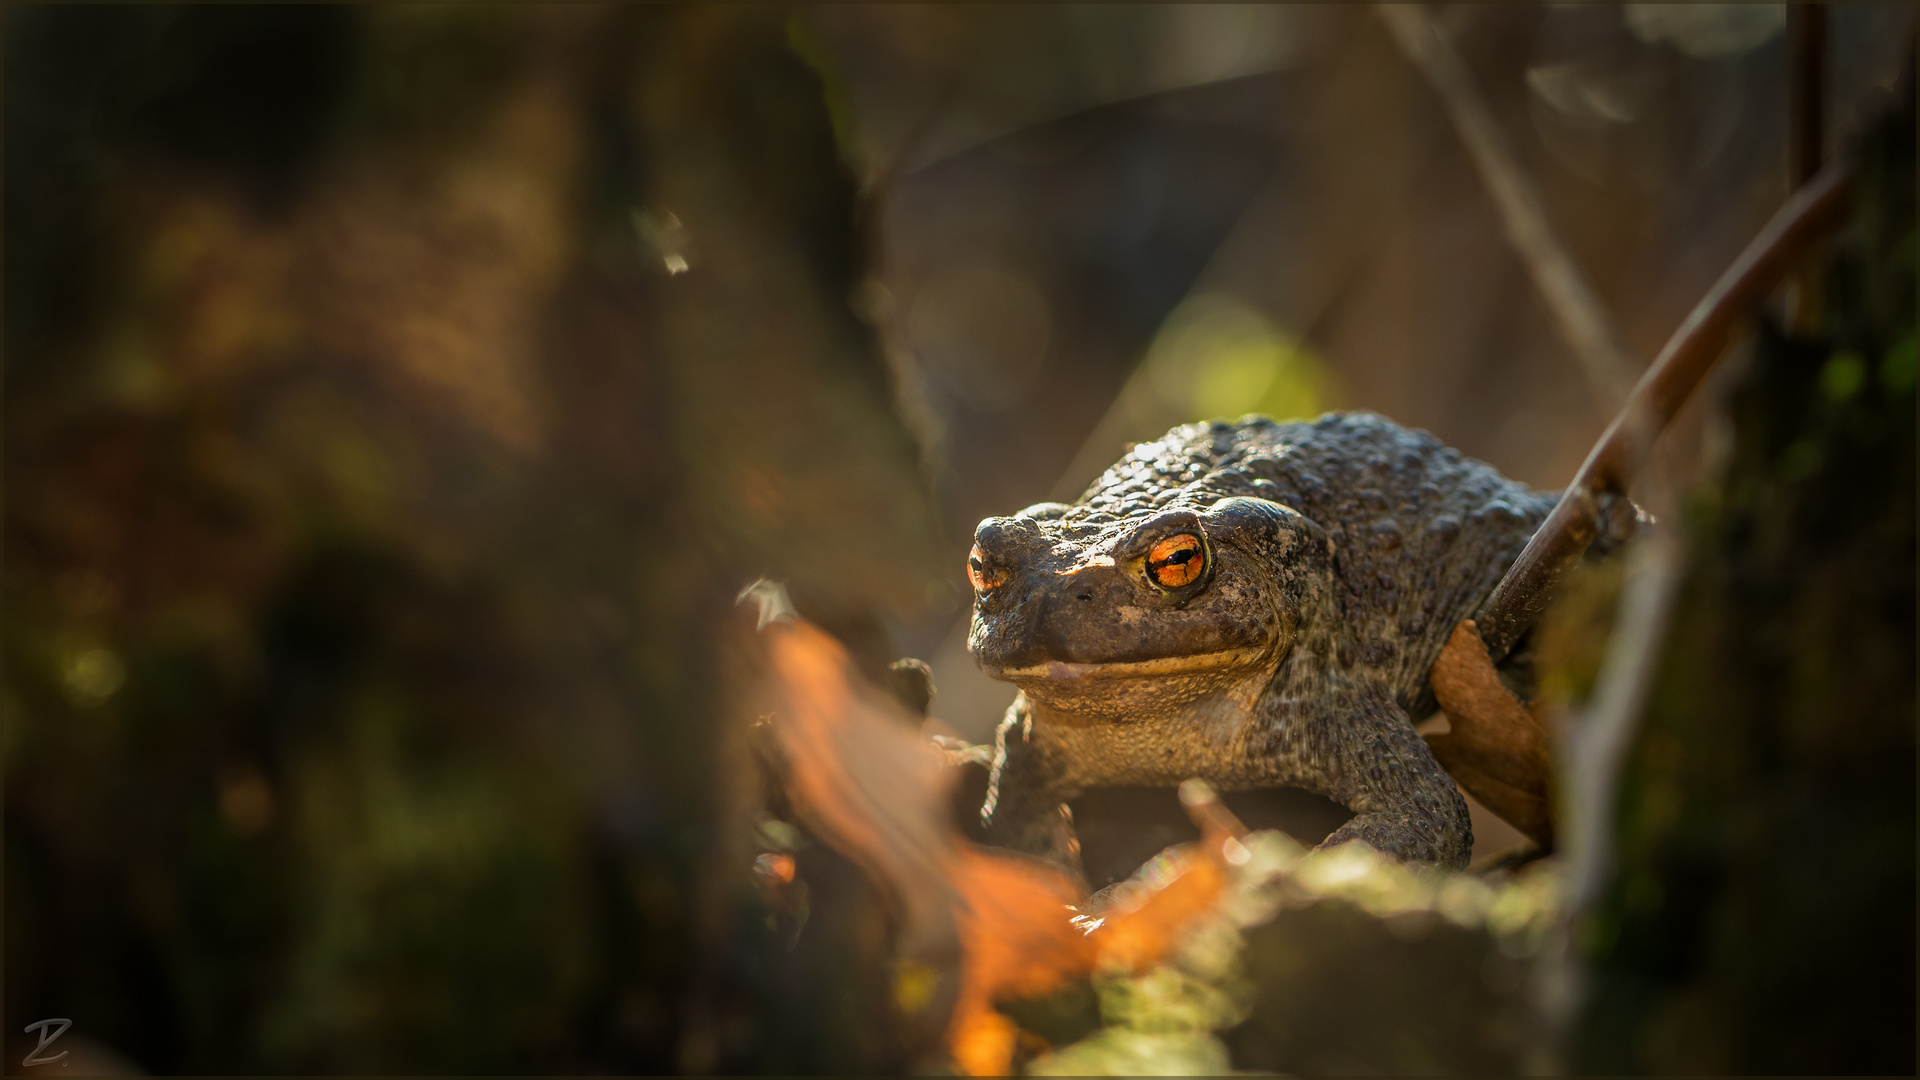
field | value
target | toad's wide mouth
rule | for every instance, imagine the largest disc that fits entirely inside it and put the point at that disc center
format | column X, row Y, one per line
column 1061, row 671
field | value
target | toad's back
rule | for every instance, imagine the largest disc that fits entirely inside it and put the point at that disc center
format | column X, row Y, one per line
column 1420, row 533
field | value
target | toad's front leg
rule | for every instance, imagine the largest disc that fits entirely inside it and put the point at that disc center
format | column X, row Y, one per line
column 1026, row 808
column 1370, row 760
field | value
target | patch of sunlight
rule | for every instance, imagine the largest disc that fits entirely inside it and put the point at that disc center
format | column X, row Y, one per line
column 1166, row 1021
column 1216, row 356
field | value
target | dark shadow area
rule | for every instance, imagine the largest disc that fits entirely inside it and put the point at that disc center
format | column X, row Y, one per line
column 1122, row 827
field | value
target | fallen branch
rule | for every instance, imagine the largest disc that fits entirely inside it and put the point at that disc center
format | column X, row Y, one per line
column 1692, row 351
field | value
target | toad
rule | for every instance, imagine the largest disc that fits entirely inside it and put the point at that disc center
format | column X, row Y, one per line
column 1256, row 604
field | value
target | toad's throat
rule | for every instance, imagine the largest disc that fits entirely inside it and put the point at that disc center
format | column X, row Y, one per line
column 1060, row 671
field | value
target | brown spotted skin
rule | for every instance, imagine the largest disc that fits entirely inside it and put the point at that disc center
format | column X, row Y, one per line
column 1339, row 555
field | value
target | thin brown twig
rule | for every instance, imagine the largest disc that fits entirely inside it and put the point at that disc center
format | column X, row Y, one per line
column 1691, row 352
column 1807, row 37
column 1806, row 127
column 1576, row 308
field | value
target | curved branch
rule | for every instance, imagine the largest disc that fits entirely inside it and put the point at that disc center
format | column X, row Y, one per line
column 1692, row 351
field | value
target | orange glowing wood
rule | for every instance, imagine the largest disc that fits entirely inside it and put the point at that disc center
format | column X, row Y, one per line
column 874, row 790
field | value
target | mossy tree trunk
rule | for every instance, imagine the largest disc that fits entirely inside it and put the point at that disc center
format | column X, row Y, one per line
column 1760, row 915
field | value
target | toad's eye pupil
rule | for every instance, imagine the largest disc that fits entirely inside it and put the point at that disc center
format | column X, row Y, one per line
column 1177, row 561
column 983, row 579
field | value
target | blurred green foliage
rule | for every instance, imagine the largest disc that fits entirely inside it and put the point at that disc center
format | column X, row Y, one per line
column 377, row 499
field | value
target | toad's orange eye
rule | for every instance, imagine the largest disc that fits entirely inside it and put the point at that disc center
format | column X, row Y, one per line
column 985, row 578
column 1176, row 561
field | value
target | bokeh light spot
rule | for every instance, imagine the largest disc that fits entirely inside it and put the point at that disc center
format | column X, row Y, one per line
column 93, row 675
column 1217, row 357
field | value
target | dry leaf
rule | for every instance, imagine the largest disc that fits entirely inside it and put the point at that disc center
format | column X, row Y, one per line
column 1496, row 749
column 878, row 793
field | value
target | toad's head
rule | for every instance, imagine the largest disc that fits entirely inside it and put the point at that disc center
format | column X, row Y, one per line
column 1123, row 618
